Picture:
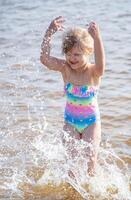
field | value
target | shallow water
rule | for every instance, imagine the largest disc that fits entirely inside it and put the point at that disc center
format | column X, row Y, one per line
column 33, row 162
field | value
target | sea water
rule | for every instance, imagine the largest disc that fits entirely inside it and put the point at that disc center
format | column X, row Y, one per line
column 34, row 164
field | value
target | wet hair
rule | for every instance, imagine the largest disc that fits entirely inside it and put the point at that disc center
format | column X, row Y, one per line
column 77, row 37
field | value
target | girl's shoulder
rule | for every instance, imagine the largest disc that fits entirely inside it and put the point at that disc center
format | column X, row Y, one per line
column 94, row 78
column 92, row 70
column 66, row 70
column 91, row 67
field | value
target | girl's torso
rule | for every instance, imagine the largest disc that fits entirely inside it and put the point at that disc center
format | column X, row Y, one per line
column 81, row 90
column 81, row 109
column 84, row 77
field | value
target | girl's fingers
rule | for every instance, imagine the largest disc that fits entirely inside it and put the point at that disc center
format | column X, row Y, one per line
column 59, row 23
column 91, row 29
column 93, row 25
column 62, row 28
column 60, row 19
column 57, row 18
column 92, row 22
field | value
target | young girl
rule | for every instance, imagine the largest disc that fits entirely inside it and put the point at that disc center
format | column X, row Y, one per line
column 81, row 80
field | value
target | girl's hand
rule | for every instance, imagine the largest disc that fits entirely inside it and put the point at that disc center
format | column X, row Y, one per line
column 94, row 30
column 56, row 25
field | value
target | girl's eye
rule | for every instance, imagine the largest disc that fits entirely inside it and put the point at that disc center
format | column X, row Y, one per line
column 77, row 54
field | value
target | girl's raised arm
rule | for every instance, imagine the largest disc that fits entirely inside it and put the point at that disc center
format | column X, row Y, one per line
column 51, row 62
column 99, row 66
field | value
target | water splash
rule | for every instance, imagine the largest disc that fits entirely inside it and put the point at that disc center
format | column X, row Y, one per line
column 109, row 182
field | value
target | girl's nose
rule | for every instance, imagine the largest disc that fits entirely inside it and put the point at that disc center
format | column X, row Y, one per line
column 72, row 58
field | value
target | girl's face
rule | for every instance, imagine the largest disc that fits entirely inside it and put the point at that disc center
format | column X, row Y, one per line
column 76, row 58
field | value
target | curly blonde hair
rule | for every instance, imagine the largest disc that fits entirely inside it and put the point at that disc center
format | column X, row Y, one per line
column 77, row 37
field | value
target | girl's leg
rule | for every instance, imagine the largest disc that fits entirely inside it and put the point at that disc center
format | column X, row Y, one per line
column 92, row 135
column 72, row 131
column 70, row 144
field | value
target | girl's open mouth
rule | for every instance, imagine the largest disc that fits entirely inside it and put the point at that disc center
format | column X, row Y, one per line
column 73, row 63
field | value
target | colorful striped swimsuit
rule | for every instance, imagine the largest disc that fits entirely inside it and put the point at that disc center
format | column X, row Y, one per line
column 81, row 109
